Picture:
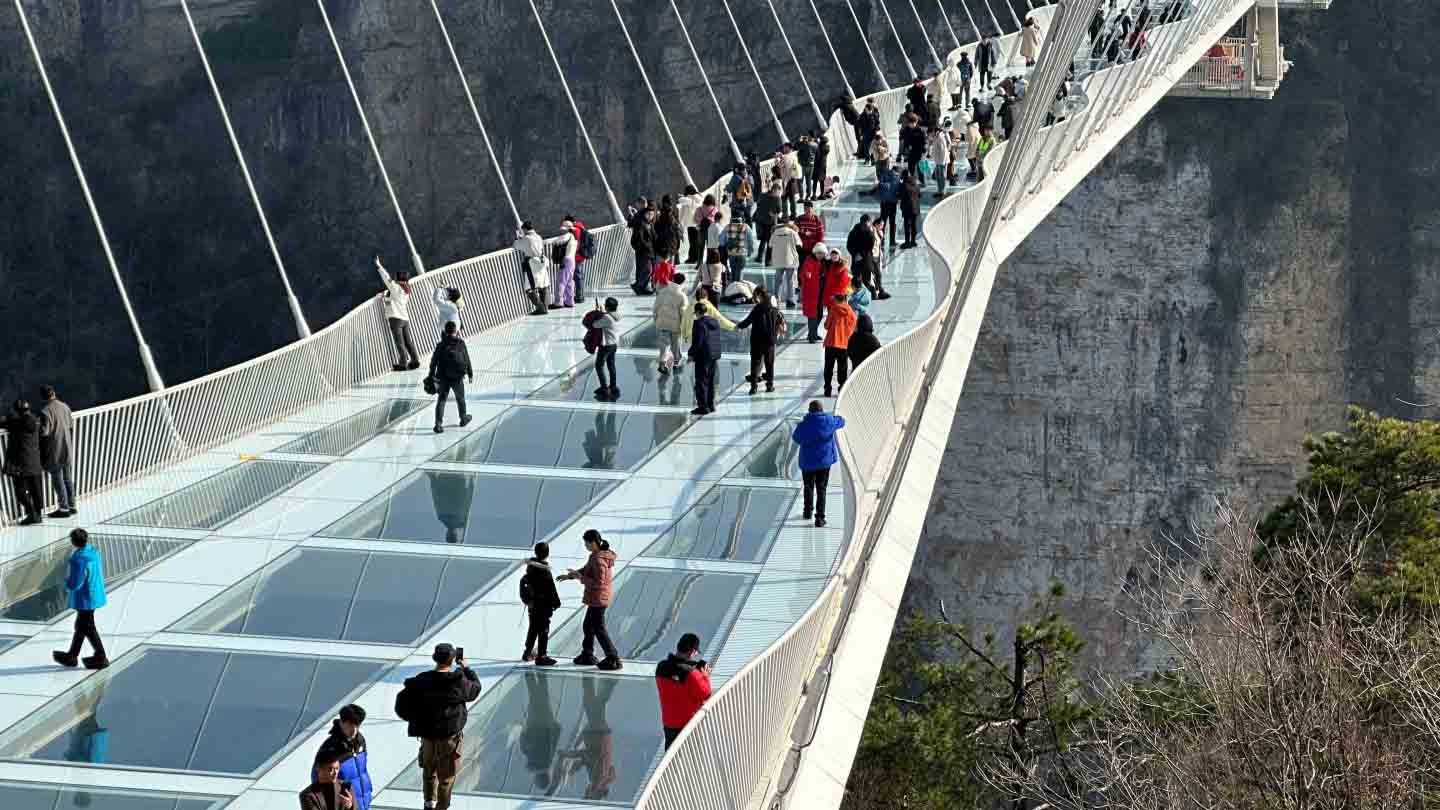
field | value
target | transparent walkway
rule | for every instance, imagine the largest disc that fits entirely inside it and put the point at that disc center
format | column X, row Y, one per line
column 258, row 587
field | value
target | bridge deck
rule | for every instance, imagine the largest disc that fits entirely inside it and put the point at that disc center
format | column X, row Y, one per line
column 258, row 587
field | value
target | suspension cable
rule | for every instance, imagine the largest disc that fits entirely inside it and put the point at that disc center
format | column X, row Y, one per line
column 1013, row 16
column 745, row 49
column 850, row 91
column 664, row 122
column 301, row 325
column 579, row 121
column 819, row 116
column 945, row 15
column 934, row 54
column 898, row 41
column 971, row 17
column 865, row 40
column 370, row 136
column 993, row 19
column 704, row 75
column 475, row 110
column 152, row 374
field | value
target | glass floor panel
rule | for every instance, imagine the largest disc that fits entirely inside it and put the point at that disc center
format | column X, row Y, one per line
column 31, row 796
column 581, row 439
column 775, row 456
column 480, row 509
column 640, row 382
column 559, row 735
column 219, row 499
column 6, row 642
column 737, row 342
column 366, row 597
column 653, row 607
column 728, row 523
column 345, row 435
column 32, row 587
column 192, row 709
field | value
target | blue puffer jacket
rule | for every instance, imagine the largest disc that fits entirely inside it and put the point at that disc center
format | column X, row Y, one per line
column 85, row 579
column 816, row 436
column 354, row 764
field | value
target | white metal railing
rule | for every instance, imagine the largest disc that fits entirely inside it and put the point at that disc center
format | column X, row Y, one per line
column 1234, row 70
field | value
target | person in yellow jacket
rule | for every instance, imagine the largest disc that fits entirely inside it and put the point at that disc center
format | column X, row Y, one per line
column 702, row 299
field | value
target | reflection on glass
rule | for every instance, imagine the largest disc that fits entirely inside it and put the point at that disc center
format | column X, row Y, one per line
column 348, row 595
column 583, row 439
column 343, row 436
column 219, row 499
column 776, row 456
column 653, row 607
column 481, row 509
column 640, row 382
column 6, row 642
column 201, row 710
column 559, row 735
column 728, row 523
column 30, row 796
column 32, row 588
column 737, row 342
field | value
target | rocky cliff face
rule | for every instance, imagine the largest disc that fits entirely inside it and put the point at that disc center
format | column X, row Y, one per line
column 186, row 237
column 1224, row 283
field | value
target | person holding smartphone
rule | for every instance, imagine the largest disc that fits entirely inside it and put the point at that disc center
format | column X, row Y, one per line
column 348, row 744
column 683, row 681
column 327, row 792
column 433, row 704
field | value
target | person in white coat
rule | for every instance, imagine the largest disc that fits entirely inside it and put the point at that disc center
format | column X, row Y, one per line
column 785, row 253
column 938, row 148
column 397, row 314
column 672, row 306
column 952, row 81
column 448, row 303
column 687, row 205
column 535, row 272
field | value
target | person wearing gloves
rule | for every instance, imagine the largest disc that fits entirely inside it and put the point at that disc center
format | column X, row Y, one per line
column 397, row 314
column 535, row 273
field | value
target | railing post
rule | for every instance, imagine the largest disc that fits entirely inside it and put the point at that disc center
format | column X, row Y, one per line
column 147, row 360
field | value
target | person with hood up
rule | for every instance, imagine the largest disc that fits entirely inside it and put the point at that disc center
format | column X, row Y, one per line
column 785, row 242
column 348, row 745
column 683, row 682
column 541, row 600
column 1030, row 40
column 596, row 577
column 449, row 366
column 705, row 352
column 433, row 706
column 822, row 277
column 448, row 303
column 767, row 326
column 535, row 273
column 327, row 791
column 816, row 436
column 863, row 343
column 839, row 326
column 23, row 463
column 397, row 314
column 85, row 584
column 685, row 209
column 670, row 311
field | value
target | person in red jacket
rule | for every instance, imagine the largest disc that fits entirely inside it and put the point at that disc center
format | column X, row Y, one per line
column 811, row 228
column 823, row 276
column 683, row 681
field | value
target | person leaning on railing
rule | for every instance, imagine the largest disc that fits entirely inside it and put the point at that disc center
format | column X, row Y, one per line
column 536, row 274
column 22, row 461
column 397, row 314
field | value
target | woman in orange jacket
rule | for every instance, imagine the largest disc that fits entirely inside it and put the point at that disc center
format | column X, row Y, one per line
column 839, row 326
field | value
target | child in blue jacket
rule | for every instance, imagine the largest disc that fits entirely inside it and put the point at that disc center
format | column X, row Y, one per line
column 816, row 436
column 85, row 583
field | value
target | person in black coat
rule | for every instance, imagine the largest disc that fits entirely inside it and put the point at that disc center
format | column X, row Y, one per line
column 982, row 112
column 705, row 353
column 986, row 58
column 861, row 245
column 433, row 706
column 643, row 241
column 822, row 167
column 916, row 96
column 537, row 591
column 22, row 461
column 668, row 231
column 766, row 325
column 449, row 366
column 863, row 343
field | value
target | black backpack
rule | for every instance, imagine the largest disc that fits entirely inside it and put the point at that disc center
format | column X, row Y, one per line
column 587, row 244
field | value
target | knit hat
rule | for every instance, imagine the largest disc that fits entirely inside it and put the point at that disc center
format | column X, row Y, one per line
column 820, row 250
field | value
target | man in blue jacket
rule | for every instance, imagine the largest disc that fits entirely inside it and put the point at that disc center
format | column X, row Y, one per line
column 816, row 436
column 348, row 746
column 887, row 189
column 85, row 582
